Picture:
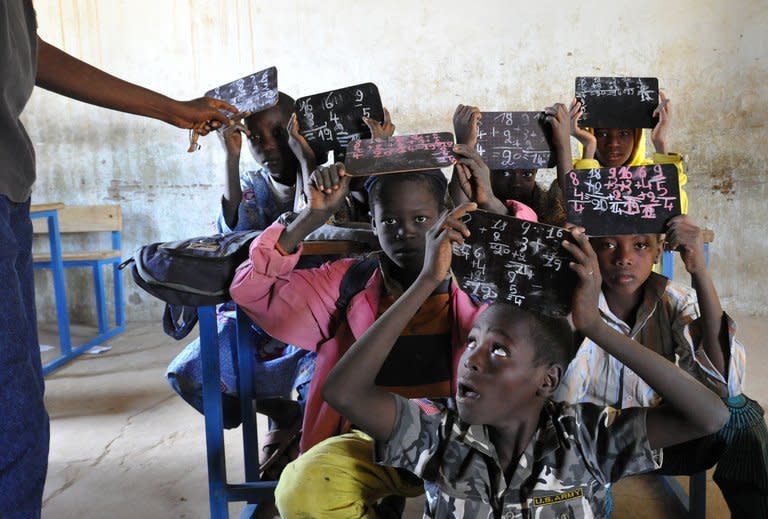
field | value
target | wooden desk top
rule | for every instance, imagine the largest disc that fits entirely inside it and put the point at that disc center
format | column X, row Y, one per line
column 46, row 207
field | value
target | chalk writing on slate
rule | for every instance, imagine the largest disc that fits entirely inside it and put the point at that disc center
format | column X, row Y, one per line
column 250, row 93
column 515, row 140
column 400, row 153
column 332, row 120
column 618, row 102
column 520, row 262
column 625, row 200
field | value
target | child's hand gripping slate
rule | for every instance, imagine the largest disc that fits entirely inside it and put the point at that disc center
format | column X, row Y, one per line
column 684, row 236
column 664, row 113
column 465, row 124
column 586, row 297
column 583, row 136
column 438, row 253
column 327, row 188
column 380, row 131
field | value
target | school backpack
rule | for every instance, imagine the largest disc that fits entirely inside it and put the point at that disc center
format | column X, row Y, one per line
column 189, row 273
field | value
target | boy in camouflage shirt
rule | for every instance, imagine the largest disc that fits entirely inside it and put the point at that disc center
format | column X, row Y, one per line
column 506, row 450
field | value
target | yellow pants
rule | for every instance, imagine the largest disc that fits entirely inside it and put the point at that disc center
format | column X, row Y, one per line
column 337, row 478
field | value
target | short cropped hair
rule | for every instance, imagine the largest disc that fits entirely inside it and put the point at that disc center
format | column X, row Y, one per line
column 434, row 180
column 551, row 336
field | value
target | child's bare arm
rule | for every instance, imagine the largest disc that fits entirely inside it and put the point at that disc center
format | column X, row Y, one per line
column 350, row 386
column 327, row 188
column 659, row 133
column 473, row 177
column 232, row 140
column 301, row 149
column 559, row 119
column 684, row 236
column 586, row 139
column 694, row 410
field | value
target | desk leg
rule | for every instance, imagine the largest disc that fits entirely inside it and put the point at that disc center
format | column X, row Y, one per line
column 212, row 408
column 59, row 283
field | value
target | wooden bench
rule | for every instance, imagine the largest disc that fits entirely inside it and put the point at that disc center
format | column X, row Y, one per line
column 61, row 220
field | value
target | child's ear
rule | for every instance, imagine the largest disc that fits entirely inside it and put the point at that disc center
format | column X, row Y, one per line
column 550, row 380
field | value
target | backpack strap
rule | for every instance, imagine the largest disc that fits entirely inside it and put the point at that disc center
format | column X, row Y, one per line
column 354, row 281
column 179, row 320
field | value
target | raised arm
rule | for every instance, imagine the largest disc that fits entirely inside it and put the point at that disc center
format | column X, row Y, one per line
column 326, row 189
column 684, row 236
column 64, row 74
column 558, row 118
column 587, row 140
column 350, row 386
column 692, row 410
column 659, row 133
column 232, row 140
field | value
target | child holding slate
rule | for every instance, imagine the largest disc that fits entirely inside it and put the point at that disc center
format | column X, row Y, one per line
column 686, row 326
column 616, row 147
column 252, row 200
column 326, row 309
column 503, row 448
column 512, row 191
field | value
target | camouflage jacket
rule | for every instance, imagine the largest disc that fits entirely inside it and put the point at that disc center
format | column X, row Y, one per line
column 565, row 471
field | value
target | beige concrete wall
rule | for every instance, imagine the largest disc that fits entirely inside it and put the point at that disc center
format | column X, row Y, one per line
column 711, row 57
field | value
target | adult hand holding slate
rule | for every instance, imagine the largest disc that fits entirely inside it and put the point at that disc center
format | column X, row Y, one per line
column 332, row 120
column 399, row 154
column 250, row 94
column 617, row 102
column 517, row 261
column 626, row 200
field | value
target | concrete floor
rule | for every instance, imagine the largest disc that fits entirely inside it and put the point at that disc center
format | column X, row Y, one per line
column 124, row 446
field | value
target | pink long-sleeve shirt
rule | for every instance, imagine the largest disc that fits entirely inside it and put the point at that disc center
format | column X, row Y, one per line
column 299, row 307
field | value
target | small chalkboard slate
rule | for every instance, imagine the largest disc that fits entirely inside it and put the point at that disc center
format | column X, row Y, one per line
column 517, row 261
column 332, row 120
column 515, row 140
column 250, row 94
column 398, row 154
column 618, row 102
column 626, row 200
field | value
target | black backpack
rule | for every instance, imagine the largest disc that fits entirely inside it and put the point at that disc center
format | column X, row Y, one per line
column 189, row 273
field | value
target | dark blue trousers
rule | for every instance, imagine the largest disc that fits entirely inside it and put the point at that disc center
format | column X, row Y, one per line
column 24, row 426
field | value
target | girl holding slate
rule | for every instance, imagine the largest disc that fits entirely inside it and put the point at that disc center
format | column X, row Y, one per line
column 502, row 448
column 617, row 147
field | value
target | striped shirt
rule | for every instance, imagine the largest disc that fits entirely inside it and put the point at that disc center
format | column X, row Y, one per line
column 420, row 363
column 667, row 322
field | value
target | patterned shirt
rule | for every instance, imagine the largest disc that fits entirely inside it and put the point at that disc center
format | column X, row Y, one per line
column 565, row 472
column 667, row 322
column 262, row 202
